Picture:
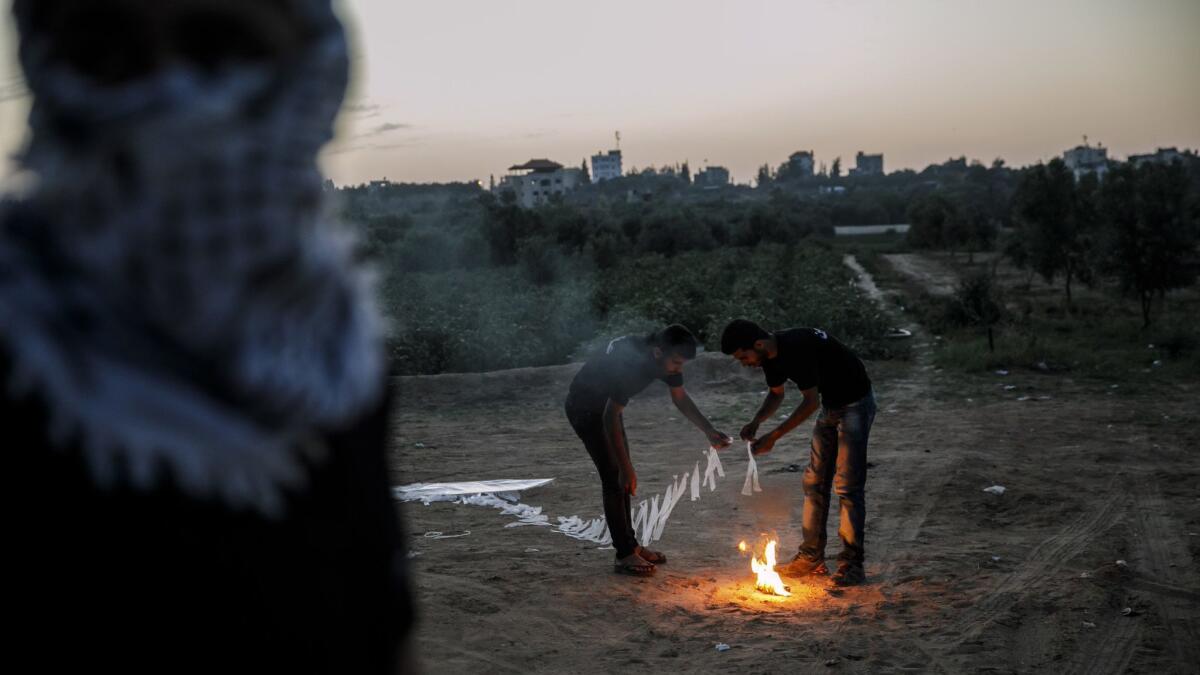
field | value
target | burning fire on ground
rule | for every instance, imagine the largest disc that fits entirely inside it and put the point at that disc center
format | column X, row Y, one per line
column 768, row 580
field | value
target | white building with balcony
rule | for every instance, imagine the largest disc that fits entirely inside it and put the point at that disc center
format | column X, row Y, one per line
column 535, row 182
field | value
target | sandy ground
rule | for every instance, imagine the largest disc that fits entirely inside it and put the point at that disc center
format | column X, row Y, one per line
column 959, row 580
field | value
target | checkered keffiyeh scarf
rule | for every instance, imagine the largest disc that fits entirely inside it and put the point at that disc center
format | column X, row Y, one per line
column 168, row 287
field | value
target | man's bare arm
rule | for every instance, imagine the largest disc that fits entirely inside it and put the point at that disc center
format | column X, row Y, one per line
column 770, row 404
column 687, row 406
column 811, row 403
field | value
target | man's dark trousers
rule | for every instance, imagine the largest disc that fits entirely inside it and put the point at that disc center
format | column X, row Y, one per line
column 589, row 426
column 838, row 460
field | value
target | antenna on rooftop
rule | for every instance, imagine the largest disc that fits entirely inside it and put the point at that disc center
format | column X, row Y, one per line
column 1085, row 140
column 618, row 135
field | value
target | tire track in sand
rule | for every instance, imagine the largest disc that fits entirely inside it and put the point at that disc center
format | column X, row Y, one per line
column 1113, row 649
column 1046, row 558
column 1161, row 545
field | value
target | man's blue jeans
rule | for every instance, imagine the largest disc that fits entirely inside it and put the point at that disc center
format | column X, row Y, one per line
column 838, row 460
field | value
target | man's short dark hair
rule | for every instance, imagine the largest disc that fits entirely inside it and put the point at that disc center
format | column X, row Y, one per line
column 676, row 339
column 741, row 334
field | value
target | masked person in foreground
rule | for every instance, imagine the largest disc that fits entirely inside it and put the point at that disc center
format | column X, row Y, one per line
column 597, row 398
column 193, row 400
column 831, row 378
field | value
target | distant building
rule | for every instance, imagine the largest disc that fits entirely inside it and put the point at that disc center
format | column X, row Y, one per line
column 800, row 164
column 376, row 185
column 1085, row 159
column 537, row 180
column 1162, row 156
column 606, row 166
column 867, row 165
column 712, row 177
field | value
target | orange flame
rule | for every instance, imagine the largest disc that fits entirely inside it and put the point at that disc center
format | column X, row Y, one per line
column 742, row 546
column 768, row 579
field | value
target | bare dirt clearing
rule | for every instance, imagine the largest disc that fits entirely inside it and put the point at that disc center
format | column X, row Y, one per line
column 959, row 580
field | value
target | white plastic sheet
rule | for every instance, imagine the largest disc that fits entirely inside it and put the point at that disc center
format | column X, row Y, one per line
column 448, row 492
column 640, row 514
column 714, row 467
column 674, row 494
column 664, row 513
column 680, row 488
column 651, row 521
column 750, row 486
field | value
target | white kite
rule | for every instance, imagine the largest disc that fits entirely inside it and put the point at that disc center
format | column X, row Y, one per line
column 649, row 517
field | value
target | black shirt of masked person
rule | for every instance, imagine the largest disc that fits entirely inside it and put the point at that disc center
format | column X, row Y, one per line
column 192, row 376
column 831, row 378
column 599, row 394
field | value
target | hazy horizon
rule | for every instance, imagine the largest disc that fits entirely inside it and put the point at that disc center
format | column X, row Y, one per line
column 462, row 90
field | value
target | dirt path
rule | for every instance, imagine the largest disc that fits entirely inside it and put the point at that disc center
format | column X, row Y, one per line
column 960, row 580
column 933, row 276
column 864, row 279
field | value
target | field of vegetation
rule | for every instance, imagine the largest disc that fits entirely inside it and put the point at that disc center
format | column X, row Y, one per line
column 499, row 317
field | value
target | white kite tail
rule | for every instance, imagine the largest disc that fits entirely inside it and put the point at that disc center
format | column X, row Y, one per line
column 713, row 469
column 649, row 517
column 594, row 530
column 751, row 485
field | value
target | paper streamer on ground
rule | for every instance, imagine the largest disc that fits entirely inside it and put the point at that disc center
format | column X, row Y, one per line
column 751, row 484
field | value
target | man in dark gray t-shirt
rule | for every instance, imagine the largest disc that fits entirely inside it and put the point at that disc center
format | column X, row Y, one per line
column 597, row 398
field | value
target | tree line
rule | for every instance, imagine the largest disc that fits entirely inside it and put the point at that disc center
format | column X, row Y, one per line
column 1138, row 224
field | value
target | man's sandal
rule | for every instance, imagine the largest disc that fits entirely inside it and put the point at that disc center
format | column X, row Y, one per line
column 653, row 557
column 634, row 565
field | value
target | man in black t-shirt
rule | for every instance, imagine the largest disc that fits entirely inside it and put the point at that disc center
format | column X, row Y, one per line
column 833, row 379
column 599, row 394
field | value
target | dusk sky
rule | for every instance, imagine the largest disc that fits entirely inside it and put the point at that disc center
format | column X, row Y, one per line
column 456, row 90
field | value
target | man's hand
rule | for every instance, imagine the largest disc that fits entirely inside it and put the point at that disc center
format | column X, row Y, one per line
column 749, row 431
column 719, row 440
column 628, row 481
column 763, row 445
